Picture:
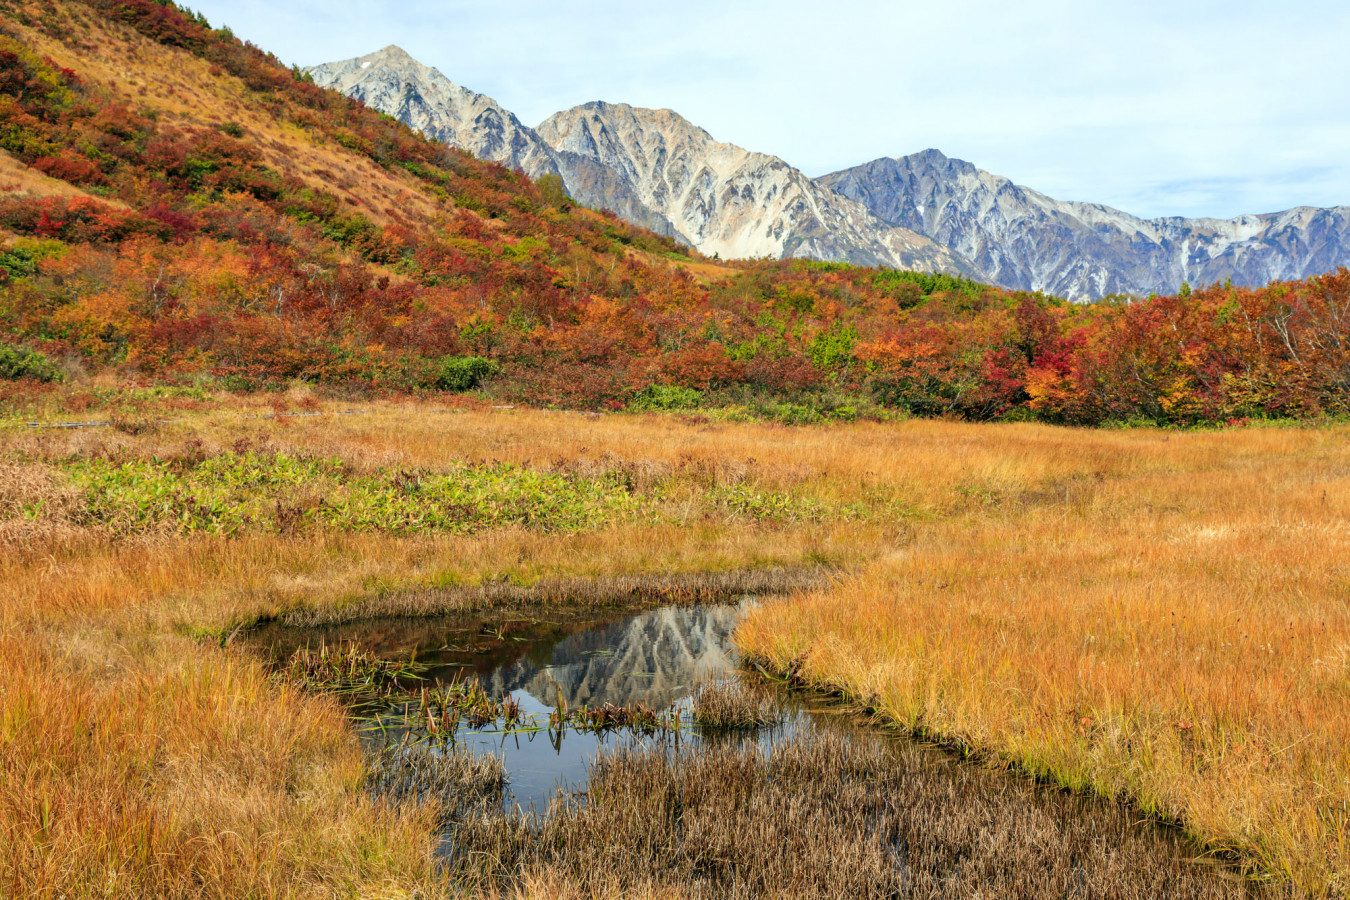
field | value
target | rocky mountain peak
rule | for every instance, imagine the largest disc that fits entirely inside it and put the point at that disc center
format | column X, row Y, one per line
column 393, row 52
column 421, row 97
column 665, row 120
column 935, row 160
column 727, row 200
column 932, row 156
column 632, row 138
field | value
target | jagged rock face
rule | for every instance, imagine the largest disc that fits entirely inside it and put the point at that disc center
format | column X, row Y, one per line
column 728, row 200
column 422, row 98
column 1020, row 238
column 593, row 184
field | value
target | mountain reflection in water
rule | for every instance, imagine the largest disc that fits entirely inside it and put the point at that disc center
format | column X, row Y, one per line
column 655, row 658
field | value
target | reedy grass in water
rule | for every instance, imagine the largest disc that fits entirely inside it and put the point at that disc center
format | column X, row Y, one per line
column 822, row 816
column 439, row 710
column 349, row 671
column 452, row 777
column 730, row 704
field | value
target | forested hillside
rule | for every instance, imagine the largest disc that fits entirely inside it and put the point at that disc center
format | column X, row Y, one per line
column 177, row 205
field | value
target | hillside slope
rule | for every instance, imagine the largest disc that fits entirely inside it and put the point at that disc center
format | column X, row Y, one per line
column 1023, row 239
column 180, row 206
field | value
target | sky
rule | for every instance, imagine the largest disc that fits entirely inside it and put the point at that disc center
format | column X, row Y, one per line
column 1187, row 107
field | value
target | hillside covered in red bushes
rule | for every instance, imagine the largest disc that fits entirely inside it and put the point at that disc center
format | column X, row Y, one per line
column 176, row 204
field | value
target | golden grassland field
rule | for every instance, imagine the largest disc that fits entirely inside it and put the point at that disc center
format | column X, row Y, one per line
column 1159, row 616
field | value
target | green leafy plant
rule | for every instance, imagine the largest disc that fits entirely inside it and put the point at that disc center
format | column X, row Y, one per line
column 20, row 362
column 666, row 396
column 464, row 373
column 237, row 492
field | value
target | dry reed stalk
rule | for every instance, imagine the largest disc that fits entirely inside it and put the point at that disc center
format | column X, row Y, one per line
column 732, row 705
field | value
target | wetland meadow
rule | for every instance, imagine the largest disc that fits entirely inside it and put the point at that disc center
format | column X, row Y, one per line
column 301, row 648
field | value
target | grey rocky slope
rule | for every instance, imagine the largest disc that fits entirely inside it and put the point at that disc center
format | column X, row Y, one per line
column 731, row 201
column 422, row 98
column 652, row 167
column 1023, row 239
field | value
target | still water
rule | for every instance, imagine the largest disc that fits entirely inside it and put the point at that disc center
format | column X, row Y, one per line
column 654, row 658
column 657, row 659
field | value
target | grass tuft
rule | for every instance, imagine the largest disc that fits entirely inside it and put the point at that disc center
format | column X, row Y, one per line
column 732, row 705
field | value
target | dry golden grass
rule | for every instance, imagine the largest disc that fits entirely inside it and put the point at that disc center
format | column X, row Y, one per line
column 17, row 178
column 1014, row 584
column 135, row 764
column 1176, row 632
column 181, row 88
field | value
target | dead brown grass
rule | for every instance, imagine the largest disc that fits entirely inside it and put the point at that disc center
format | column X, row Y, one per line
column 820, row 817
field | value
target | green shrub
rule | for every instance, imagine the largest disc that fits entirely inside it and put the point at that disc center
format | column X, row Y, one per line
column 666, row 396
column 832, row 348
column 20, row 362
column 18, row 262
column 464, row 373
column 554, row 192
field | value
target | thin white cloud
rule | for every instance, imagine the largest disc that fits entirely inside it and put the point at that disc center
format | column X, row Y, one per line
column 1161, row 108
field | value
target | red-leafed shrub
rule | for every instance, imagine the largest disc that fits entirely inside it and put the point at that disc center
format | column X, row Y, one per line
column 71, row 167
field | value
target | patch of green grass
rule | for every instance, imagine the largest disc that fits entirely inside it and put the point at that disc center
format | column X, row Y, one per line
column 752, row 503
column 236, row 492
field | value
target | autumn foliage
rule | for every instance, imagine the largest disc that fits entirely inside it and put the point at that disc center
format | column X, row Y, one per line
column 187, row 252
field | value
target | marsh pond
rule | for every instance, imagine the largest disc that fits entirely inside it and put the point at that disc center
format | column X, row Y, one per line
column 634, row 754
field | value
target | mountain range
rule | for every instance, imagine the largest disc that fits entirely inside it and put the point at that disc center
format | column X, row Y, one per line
column 925, row 211
column 652, row 167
